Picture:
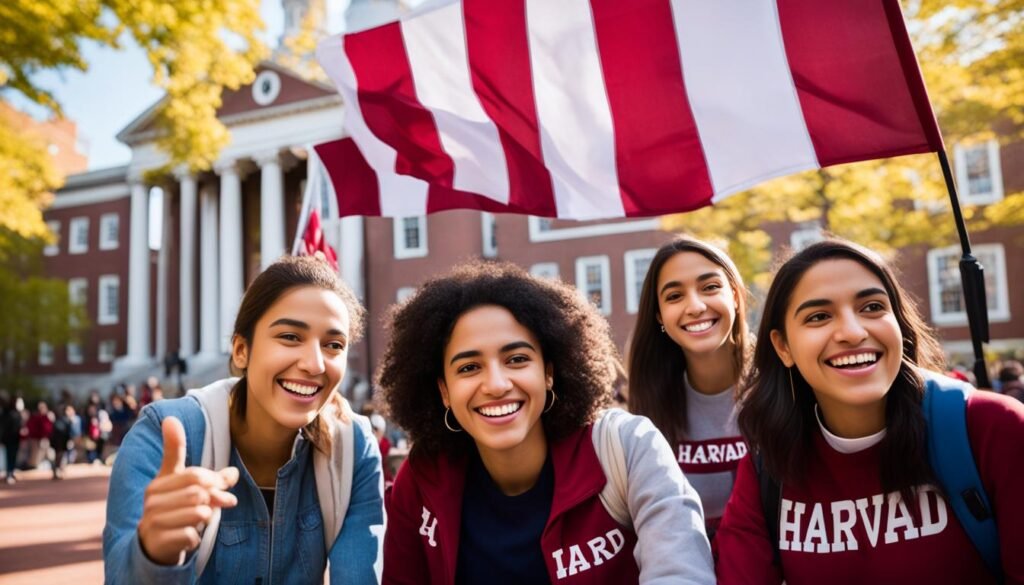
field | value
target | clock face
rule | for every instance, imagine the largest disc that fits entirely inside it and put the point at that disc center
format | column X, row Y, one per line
column 266, row 88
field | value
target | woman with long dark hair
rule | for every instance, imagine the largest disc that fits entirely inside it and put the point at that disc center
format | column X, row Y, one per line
column 689, row 349
column 833, row 412
column 264, row 478
column 515, row 475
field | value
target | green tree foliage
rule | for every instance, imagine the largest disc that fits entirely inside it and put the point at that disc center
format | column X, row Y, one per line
column 35, row 309
column 972, row 57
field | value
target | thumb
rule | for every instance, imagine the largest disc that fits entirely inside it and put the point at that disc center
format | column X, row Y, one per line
column 174, row 447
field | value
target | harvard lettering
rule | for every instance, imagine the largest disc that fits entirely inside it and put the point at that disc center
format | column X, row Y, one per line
column 831, row 530
column 711, row 456
column 428, row 527
column 599, row 553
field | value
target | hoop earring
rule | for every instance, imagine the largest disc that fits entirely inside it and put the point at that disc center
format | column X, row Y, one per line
column 447, row 410
column 554, row 397
column 792, row 390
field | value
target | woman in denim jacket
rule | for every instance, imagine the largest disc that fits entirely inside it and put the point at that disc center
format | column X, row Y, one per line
column 267, row 478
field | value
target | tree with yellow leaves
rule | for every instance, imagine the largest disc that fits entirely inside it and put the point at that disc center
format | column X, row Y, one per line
column 971, row 54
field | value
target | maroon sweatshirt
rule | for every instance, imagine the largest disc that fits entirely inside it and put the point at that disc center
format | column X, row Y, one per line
column 838, row 526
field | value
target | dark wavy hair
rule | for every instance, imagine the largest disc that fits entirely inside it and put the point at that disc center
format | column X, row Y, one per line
column 573, row 337
column 783, row 432
column 656, row 363
column 270, row 285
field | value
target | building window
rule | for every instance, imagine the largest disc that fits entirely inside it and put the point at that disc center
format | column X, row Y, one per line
column 545, row 270
column 637, row 263
column 109, row 231
column 107, row 351
column 946, row 291
column 404, row 293
column 803, row 237
column 78, row 293
column 54, row 248
column 78, row 235
column 410, row 237
column 488, row 225
column 108, row 308
column 978, row 172
column 594, row 281
column 75, row 353
column 45, row 353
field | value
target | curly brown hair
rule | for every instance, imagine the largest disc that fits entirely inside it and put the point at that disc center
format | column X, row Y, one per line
column 573, row 337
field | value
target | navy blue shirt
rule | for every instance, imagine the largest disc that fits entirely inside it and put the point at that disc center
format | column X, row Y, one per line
column 500, row 538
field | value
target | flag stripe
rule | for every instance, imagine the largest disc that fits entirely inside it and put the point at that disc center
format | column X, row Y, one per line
column 499, row 58
column 388, row 102
column 741, row 92
column 437, row 53
column 355, row 183
column 912, row 74
column 577, row 138
column 850, row 80
column 399, row 195
column 660, row 161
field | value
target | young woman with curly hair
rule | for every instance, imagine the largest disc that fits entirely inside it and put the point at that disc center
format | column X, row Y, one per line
column 267, row 477
column 689, row 349
column 834, row 409
column 499, row 377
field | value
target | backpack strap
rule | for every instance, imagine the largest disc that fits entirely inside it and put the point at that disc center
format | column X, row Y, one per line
column 771, row 501
column 608, row 444
column 951, row 458
column 333, row 473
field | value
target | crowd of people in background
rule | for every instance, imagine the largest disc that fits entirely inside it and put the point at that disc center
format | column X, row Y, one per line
column 55, row 433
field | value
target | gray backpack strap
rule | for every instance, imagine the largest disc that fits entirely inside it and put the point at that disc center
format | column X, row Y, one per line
column 214, row 400
column 334, row 474
column 608, row 444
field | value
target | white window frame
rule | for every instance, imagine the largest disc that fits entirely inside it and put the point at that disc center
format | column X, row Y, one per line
column 487, row 230
column 803, row 237
column 539, row 234
column 995, row 168
column 45, row 354
column 77, row 226
column 999, row 313
column 106, row 351
column 404, row 292
column 546, row 270
column 606, row 280
column 630, row 260
column 78, row 294
column 401, row 250
column 107, row 243
column 54, row 248
column 75, row 353
column 103, row 317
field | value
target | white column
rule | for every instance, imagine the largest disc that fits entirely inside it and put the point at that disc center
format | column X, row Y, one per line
column 209, row 282
column 352, row 255
column 231, row 260
column 163, row 264
column 186, row 259
column 138, row 277
column 271, row 207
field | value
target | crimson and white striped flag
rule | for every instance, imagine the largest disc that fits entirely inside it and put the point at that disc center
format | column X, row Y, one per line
column 586, row 109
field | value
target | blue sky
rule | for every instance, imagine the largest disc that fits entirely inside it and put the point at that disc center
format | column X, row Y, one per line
column 117, row 88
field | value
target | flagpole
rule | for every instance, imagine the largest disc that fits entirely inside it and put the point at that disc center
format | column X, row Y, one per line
column 972, row 277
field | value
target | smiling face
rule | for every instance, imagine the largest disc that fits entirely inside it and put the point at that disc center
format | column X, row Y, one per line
column 696, row 304
column 843, row 337
column 296, row 359
column 495, row 381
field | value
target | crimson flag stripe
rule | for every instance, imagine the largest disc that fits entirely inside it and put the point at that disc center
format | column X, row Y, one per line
column 850, row 81
column 387, row 100
column 661, row 164
column 499, row 63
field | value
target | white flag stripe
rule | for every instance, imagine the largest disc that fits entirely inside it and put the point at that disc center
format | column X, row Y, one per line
column 400, row 195
column 436, row 46
column 577, row 139
column 741, row 92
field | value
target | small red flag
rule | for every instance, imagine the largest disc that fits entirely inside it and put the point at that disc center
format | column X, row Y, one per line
column 314, row 244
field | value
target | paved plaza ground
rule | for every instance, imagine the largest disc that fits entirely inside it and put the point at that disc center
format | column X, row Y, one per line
column 50, row 531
